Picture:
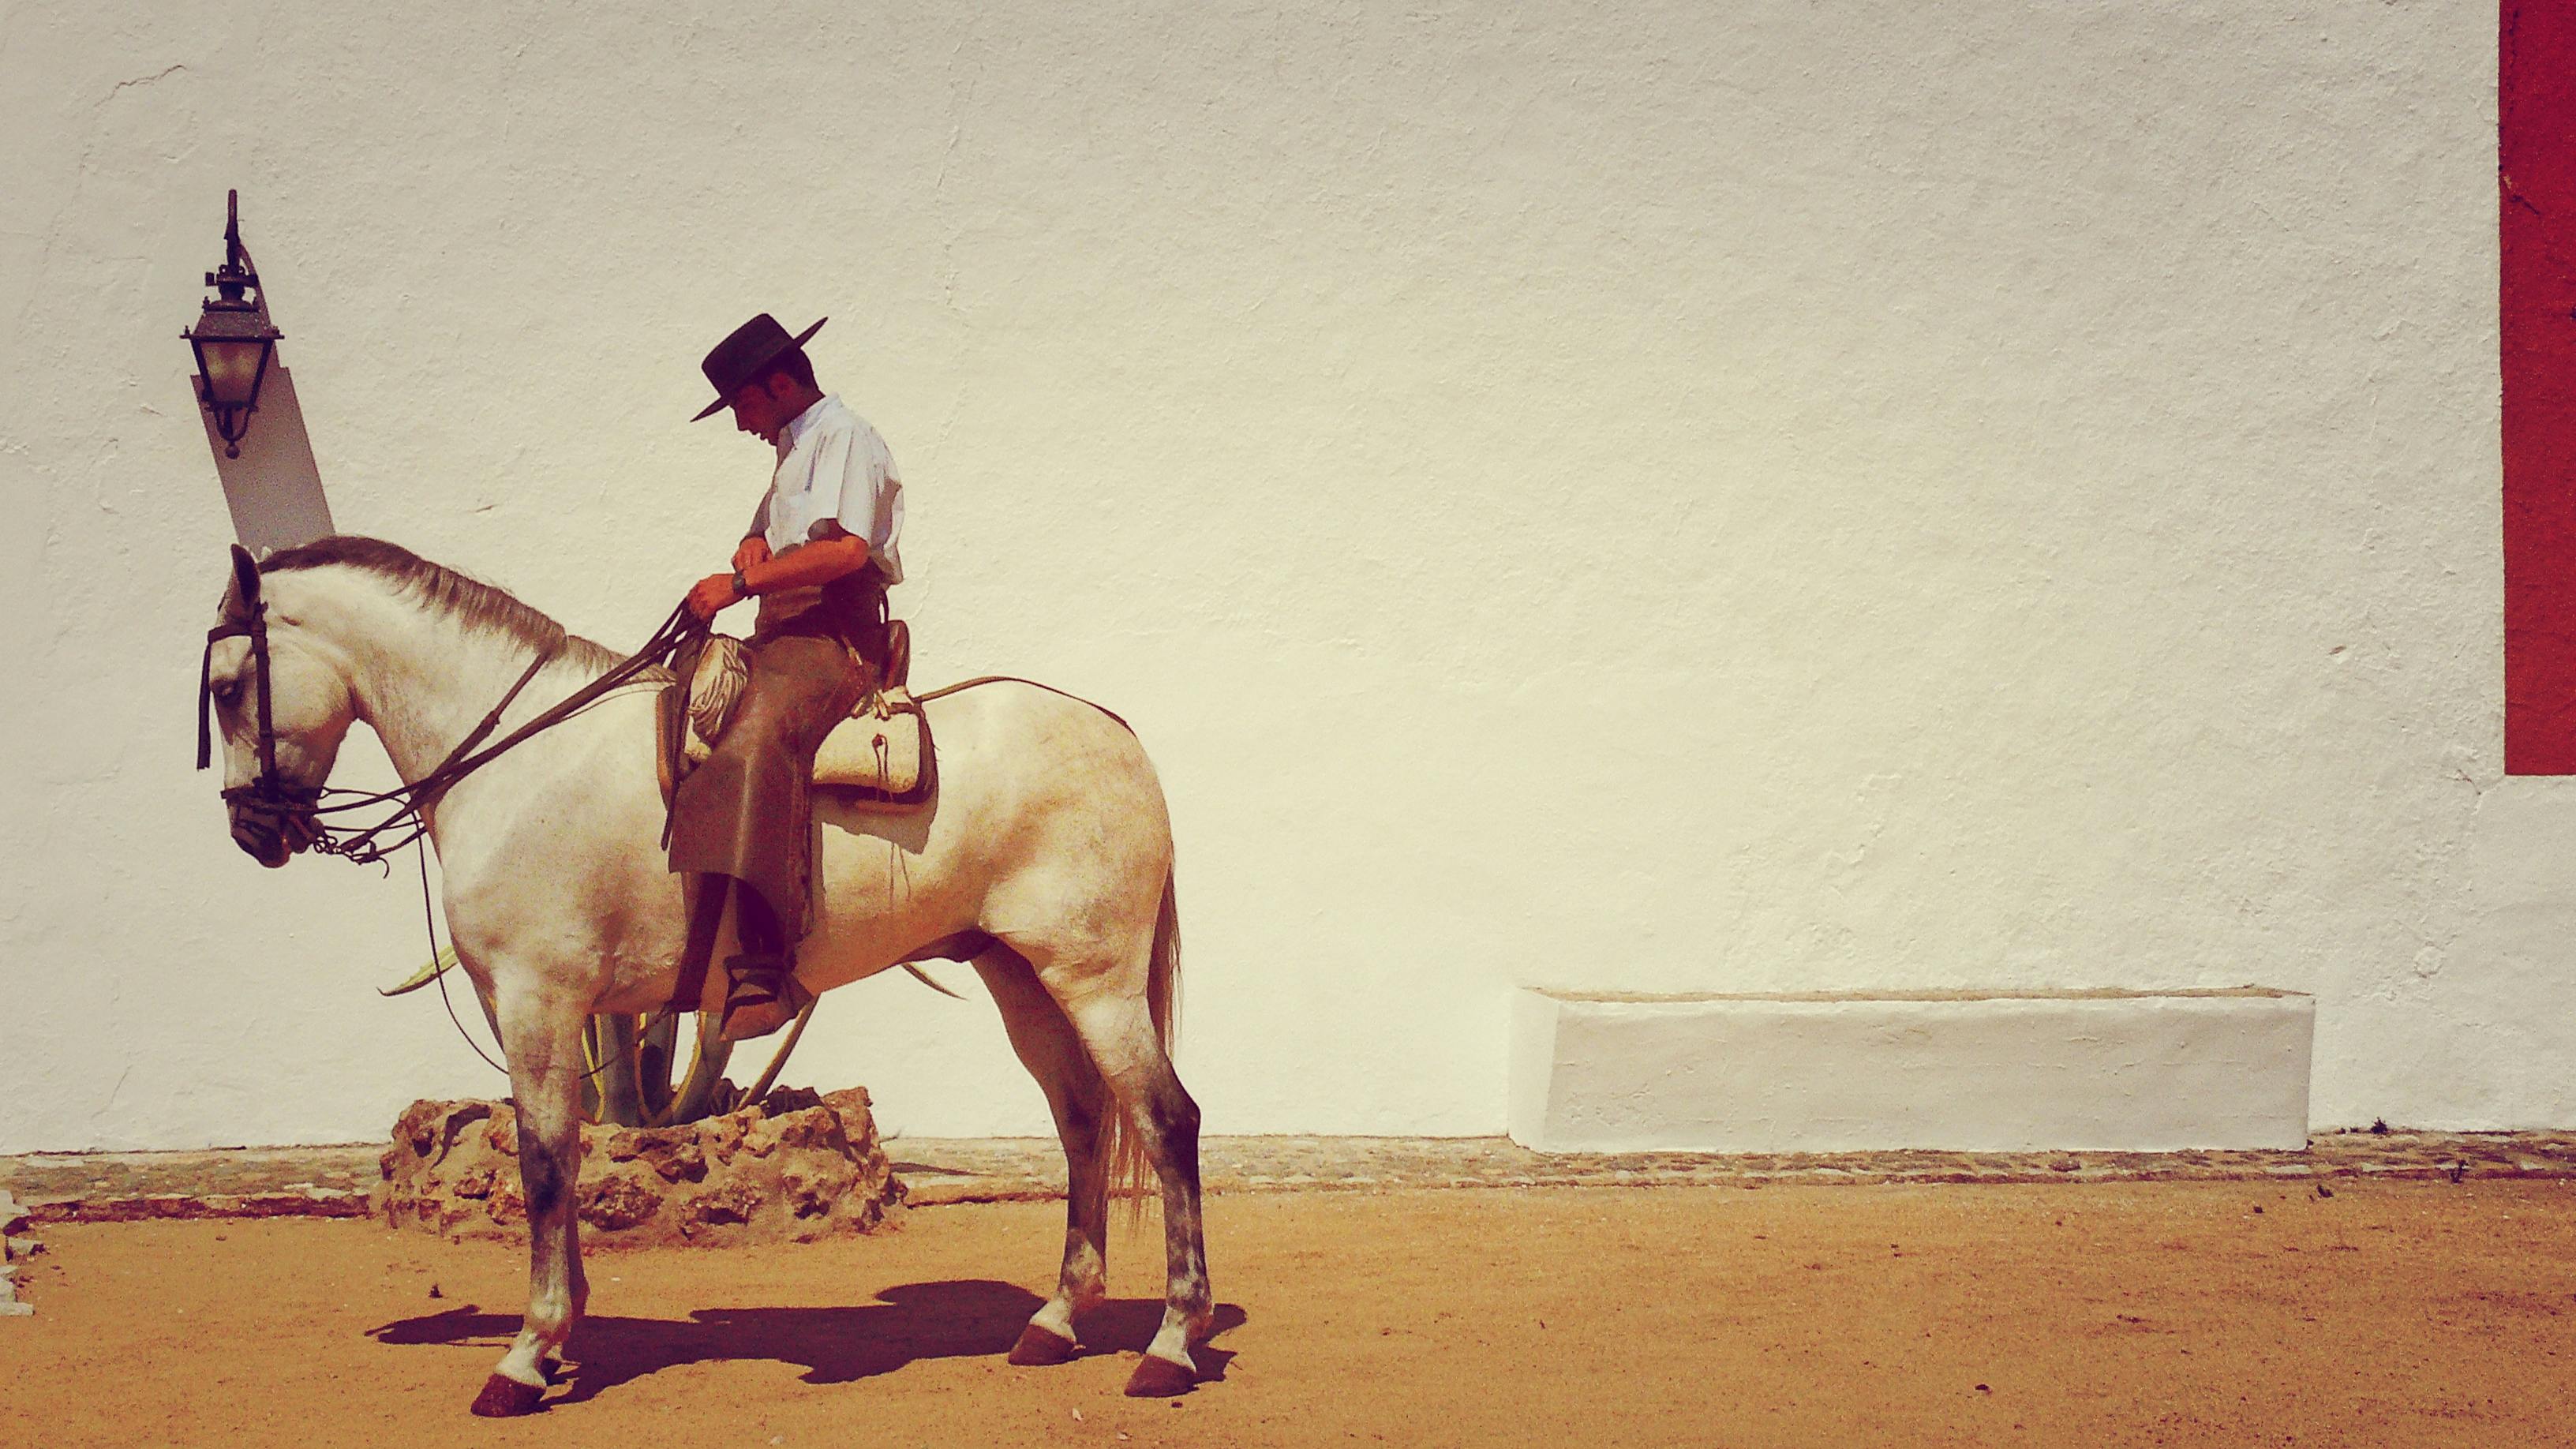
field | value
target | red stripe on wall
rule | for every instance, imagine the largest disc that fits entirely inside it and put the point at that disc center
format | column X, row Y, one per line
column 2536, row 145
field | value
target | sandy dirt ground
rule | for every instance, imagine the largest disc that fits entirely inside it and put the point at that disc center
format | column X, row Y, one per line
column 2397, row 1313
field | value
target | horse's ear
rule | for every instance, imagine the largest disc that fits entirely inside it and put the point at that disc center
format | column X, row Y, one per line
column 245, row 578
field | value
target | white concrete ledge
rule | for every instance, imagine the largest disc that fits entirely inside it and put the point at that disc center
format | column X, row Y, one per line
column 2105, row 1071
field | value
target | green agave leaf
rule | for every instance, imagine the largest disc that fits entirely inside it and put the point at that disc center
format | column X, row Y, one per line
column 438, row 966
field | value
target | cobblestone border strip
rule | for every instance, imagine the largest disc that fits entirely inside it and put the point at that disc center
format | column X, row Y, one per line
column 165, row 1206
column 1022, row 1169
column 334, row 1182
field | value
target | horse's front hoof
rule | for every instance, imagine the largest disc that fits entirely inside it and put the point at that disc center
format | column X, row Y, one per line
column 1041, row 1348
column 1160, row 1378
column 504, row 1397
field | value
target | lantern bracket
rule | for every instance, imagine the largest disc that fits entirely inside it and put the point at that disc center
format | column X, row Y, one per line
column 235, row 275
column 233, row 339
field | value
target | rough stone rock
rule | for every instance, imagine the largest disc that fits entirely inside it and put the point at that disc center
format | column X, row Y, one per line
column 723, row 1135
column 790, row 1099
column 15, row 1247
column 735, row 1202
column 674, row 1152
column 797, row 1166
column 617, row 1201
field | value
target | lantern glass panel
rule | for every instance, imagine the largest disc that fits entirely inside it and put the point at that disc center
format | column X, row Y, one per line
column 232, row 367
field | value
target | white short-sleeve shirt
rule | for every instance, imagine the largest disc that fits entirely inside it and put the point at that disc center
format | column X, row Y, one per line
column 833, row 468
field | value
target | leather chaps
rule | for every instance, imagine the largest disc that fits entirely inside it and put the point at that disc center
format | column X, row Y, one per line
column 745, row 812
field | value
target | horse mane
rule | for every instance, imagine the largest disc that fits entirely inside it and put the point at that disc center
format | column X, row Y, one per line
column 470, row 602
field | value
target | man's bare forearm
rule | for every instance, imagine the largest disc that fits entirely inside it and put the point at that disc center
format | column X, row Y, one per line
column 819, row 562
column 816, row 563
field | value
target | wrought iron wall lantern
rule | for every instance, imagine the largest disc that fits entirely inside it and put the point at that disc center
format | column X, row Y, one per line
column 233, row 339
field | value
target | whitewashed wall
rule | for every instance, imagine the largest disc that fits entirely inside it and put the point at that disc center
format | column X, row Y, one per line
column 1673, row 496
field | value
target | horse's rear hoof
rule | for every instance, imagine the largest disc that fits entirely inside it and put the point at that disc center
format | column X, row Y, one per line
column 504, row 1397
column 1041, row 1348
column 1160, row 1378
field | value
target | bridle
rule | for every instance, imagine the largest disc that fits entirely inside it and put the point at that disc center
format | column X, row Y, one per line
column 268, row 790
column 306, row 807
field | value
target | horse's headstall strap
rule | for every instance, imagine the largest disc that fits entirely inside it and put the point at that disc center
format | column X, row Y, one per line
column 268, row 790
column 254, row 628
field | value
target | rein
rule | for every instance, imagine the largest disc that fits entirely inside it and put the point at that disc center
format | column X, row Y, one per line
column 306, row 805
column 946, row 690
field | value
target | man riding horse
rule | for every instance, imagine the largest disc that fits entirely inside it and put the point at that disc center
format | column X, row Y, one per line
column 1046, row 861
column 819, row 555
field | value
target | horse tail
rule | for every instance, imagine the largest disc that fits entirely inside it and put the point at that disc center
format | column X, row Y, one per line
column 1131, row 1169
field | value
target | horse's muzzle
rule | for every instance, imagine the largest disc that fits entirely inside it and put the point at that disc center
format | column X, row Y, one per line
column 270, row 837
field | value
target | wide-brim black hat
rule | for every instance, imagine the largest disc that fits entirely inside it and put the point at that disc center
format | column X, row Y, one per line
column 742, row 357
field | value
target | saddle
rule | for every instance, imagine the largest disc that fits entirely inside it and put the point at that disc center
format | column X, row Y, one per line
column 880, row 757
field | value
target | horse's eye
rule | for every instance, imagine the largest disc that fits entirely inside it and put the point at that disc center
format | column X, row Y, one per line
column 228, row 691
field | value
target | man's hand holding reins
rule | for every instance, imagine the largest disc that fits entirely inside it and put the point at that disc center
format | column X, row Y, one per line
column 827, row 558
column 709, row 596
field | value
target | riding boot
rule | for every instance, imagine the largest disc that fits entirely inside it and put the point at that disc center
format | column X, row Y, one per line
column 762, row 993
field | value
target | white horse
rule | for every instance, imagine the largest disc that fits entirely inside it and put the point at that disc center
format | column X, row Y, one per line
column 1045, row 857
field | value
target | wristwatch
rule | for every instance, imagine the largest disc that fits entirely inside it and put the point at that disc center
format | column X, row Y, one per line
column 741, row 585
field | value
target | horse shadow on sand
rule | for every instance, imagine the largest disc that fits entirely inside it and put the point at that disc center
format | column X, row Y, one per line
column 960, row 1319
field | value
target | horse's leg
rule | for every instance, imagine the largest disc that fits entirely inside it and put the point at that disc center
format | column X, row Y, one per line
column 1047, row 1046
column 544, row 1042
column 1119, row 1031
